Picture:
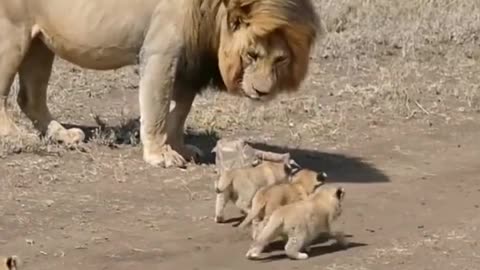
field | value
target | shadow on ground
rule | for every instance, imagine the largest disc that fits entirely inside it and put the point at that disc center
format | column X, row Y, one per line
column 340, row 168
column 316, row 249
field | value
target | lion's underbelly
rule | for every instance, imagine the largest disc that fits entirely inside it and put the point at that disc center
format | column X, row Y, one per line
column 91, row 56
column 102, row 34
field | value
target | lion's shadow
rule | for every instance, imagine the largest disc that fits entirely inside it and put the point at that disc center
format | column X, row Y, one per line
column 340, row 168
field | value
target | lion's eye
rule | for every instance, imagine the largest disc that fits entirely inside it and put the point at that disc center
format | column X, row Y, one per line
column 252, row 55
column 281, row 59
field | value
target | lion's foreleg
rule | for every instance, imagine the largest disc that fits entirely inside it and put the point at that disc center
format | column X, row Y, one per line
column 156, row 87
column 179, row 109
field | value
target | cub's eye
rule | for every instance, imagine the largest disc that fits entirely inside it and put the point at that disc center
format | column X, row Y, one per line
column 252, row 55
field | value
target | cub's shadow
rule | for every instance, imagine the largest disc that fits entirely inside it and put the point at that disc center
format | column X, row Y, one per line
column 340, row 168
column 317, row 248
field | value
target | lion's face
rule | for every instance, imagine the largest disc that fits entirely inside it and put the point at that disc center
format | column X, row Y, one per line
column 263, row 52
column 266, row 64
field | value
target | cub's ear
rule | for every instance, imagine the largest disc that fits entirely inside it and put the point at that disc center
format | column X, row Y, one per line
column 322, row 176
column 238, row 12
column 291, row 168
column 11, row 262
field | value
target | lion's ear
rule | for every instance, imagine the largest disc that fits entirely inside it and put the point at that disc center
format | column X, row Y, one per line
column 237, row 13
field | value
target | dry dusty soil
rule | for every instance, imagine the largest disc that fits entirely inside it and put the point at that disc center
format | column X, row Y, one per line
column 395, row 120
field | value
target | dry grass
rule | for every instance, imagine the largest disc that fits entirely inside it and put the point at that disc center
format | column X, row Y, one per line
column 380, row 61
column 411, row 26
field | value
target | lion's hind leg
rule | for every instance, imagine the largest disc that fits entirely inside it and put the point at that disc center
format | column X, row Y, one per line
column 14, row 43
column 34, row 74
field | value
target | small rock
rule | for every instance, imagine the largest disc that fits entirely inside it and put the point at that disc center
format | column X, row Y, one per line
column 420, row 227
column 30, row 242
column 49, row 202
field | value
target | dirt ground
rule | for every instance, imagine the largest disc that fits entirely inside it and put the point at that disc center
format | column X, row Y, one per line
column 390, row 110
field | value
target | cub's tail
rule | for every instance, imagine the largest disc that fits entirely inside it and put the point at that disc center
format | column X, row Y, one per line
column 271, row 229
column 258, row 205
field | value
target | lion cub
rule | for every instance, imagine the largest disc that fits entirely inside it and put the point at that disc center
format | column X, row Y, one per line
column 9, row 263
column 303, row 183
column 239, row 185
column 301, row 222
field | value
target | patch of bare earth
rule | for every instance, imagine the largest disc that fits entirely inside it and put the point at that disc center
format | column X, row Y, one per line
column 391, row 110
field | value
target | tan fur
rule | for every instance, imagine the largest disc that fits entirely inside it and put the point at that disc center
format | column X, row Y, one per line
column 303, row 183
column 239, row 185
column 253, row 48
column 9, row 263
column 301, row 222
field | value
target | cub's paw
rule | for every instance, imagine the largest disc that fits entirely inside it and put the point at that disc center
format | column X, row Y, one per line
column 300, row 256
column 341, row 240
column 219, row 219
column 165, row 157
column 253, row 253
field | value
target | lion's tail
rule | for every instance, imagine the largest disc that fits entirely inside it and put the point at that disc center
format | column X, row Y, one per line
column 224, row 182
column 258, row 205
column 274, row 224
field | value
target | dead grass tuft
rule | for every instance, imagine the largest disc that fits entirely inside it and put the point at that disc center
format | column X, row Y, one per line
column 409, row 26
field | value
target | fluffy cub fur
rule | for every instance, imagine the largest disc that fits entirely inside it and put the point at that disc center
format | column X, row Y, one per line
column 239, row 185
column 301, row 222
column 9, row 263
column 303, row 183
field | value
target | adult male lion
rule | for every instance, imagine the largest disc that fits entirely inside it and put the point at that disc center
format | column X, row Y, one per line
column 255, row 48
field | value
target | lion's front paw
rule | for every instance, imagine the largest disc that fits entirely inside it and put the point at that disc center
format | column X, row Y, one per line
column 166, row 157
column 56, row 132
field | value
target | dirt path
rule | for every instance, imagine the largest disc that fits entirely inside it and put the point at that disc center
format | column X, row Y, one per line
column 82, row 211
